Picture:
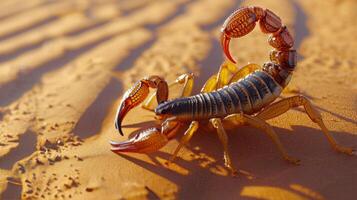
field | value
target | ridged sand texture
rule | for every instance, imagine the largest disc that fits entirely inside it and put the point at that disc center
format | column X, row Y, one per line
column 64, row 66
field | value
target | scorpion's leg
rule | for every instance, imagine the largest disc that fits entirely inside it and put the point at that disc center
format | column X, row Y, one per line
column 225, row 72
column 222, row 135
column 228, row 73
column 185, row 138
column 185, row 79
column 222, row 78
column 244, row 71
column 210, row 84
column 241, row 119
column 284, row 105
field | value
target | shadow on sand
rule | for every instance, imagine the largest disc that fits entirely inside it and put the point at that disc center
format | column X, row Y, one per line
column 252, row 151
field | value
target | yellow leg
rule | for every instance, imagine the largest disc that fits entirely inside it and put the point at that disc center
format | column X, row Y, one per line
column 260, row 124
column 186, row 137
column 185, row 79
column 210, row 84
column 244, row 71
column 222, row 135
column 226, row 70
column 284, row 105
column 222, row 78
column 228, row 73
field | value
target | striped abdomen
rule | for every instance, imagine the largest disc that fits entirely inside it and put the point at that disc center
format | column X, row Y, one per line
column 248, row 95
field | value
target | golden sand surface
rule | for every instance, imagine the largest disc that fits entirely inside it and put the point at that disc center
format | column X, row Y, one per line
column 64, row 66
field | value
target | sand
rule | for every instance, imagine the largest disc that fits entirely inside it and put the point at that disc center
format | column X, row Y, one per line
column 64, row 66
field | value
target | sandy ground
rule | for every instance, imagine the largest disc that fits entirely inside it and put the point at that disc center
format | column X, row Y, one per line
column 65, row 64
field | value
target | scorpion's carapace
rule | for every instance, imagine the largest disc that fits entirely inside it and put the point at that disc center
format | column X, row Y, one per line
column 233, row 97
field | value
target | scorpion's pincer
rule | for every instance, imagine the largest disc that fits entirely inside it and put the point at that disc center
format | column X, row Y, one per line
column 147, row 141
column 133, row 97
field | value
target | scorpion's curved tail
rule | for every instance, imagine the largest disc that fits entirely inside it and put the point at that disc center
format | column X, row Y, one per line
column 282, row 58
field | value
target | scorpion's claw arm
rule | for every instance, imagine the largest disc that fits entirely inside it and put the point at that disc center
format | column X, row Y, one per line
column 137, row 94
column 133, row 97
column 149, row 140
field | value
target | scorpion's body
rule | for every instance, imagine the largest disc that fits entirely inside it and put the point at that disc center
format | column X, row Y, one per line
column 244, row 96
column 248, row 95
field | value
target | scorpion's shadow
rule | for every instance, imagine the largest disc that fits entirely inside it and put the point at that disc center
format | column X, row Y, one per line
column 322, row 170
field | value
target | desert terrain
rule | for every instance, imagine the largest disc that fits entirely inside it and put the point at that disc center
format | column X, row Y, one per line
column 65, row 64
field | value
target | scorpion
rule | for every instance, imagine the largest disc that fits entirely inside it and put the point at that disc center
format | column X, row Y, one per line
column 233, row 97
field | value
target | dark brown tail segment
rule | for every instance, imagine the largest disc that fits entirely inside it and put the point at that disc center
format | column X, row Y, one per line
column 281, row 65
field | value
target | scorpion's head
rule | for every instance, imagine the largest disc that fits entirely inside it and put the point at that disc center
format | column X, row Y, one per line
column 164, row 110
column 176, row 108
